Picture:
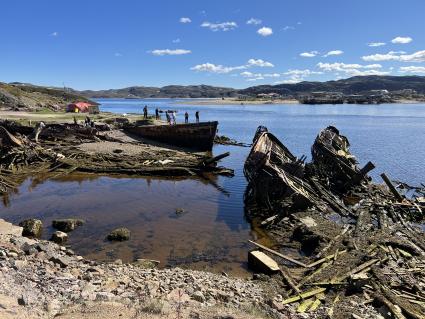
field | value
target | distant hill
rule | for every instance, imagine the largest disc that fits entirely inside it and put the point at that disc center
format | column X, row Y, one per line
column 353, row 85
column 171, row 91
column 23, row 96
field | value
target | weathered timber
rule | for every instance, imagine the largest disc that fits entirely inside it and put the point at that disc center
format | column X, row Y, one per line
column 199, row 136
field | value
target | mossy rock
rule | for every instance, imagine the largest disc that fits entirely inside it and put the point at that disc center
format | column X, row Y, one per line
column 119, row 234
column 32, row 227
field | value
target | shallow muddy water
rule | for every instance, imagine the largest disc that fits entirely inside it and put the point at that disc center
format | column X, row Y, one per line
column 212, row 233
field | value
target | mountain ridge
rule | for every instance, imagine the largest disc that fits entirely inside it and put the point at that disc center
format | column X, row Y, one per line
column 353, row 85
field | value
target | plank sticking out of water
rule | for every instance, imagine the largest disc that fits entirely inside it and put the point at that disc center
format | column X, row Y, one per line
column 258, row 260
column 279, row 254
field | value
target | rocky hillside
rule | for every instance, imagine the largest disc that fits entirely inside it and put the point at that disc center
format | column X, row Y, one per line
column 353, row 85
column 18, row 96
column 171, row 91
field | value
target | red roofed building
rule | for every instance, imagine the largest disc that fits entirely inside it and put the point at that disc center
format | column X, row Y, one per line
column 82, row 107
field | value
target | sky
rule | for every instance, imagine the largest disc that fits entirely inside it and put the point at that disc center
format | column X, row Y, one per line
column 235, row 43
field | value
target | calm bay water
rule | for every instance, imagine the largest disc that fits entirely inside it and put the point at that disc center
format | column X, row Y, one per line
column 213, row 232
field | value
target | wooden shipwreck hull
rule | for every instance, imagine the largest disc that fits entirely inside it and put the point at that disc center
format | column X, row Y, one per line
column 274, row 175
column 281, row 182
column 332, row 158
column 199, row 136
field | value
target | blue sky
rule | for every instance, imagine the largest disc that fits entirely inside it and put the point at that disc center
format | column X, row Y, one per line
column 111, row 44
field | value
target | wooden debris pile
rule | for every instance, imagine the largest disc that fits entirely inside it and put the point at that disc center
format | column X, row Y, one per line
column 346, row 247
column 57, row 148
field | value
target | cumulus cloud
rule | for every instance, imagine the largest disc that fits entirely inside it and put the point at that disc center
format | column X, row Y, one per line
column 310, row 54
column 213, row 68
column 333, row 52
column 163, row 52
column 418, row 56
column 259, row 63
column 117, row 54
column 224, row 26
column 248, row 74
column 254, row 21
column 305, row 72
column 218, row 68
column 352, row 69
column 412, row 69
column 288, row 27
column 296, row 76
column 176, row 40
column 376, row 44
column 265, row 31
column 54, row 34
column 185, row 20
column 402, row 40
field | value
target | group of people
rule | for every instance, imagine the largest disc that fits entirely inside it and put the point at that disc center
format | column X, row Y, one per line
column 170, row 115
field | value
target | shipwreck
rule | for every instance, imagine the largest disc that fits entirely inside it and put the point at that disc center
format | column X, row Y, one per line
column 341, row 242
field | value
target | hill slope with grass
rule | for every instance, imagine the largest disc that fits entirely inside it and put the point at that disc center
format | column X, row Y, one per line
column 27, row 97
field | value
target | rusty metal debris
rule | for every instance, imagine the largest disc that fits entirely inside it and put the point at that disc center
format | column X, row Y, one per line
column 344, row 242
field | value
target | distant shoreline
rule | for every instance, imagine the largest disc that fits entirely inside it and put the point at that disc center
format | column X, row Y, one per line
column 218, row 101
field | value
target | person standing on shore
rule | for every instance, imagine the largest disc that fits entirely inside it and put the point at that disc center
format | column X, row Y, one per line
column 157, row 114
column 167, row 115
column 173, row 117
column 197, row 116
column 186, row 117
column 145, row 112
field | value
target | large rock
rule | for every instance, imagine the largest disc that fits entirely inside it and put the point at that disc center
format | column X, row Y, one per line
column 59, row 237
column 119, row 234
column 32, row 227
column 67, row 225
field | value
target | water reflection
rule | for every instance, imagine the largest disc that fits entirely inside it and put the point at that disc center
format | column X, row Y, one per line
column 209, row 235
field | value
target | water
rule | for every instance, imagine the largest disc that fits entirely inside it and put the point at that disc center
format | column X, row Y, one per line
column 213, row 232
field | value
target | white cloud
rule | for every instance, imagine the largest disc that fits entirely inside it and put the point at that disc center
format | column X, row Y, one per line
column 333, row 52
column 176, row 40
column 224, row 26
column 296, row 76
column 288, row 27
column 213, row 68
column 310, row 54
column 418, row 56
column 352, row 69
column 54, row 34
column 376, row 44
column 402, row 40
column 259, row 63
column 302, row 73
column 265, row 31
column 170, row 52
column 254, row 21
column 247, row 74
column 185, row 20
column 117, row 54
column 412, row 69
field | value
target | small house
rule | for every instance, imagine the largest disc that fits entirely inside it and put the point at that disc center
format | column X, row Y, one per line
column 82, row 107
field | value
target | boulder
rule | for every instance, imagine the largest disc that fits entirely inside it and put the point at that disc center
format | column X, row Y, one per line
column 146, row 263
column 59, row 237
column 67, row 225
column 119, row 234
column 31, row 227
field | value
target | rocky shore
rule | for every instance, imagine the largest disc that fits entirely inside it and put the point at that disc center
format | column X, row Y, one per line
column 41, row 279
